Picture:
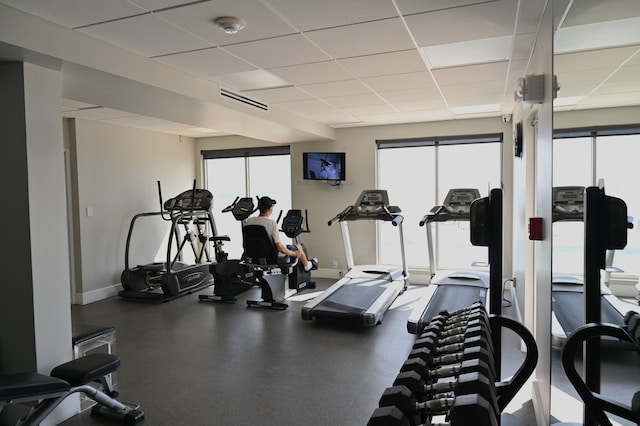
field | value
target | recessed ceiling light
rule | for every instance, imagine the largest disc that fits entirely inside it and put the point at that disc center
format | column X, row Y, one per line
column 229, row 24
column 469, row 52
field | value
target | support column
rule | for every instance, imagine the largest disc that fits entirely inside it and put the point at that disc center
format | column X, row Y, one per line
column 35, row 307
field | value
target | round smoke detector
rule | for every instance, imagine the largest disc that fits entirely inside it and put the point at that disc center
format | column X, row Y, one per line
column 229, row 24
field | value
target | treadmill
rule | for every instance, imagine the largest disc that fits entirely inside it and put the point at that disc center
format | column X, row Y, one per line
column 567, row 290
column 365, row 293
column 458, row 289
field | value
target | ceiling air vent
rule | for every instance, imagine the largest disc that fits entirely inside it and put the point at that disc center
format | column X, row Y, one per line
column 239, row 98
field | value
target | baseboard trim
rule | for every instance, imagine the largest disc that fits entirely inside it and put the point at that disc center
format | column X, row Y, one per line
column 96, row 295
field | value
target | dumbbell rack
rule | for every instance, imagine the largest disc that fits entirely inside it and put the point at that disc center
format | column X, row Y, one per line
column 453, row 373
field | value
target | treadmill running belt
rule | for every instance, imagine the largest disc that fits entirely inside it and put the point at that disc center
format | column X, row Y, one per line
column 350, row 299
column 451, row 298
column 569, row 309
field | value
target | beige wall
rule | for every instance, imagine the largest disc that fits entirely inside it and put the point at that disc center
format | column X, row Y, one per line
column 116, row 170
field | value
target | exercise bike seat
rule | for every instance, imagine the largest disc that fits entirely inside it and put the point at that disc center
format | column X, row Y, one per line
column 220, row 238
column 87, row 369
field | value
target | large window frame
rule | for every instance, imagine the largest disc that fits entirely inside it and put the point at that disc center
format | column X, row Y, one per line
column 567, row 255
column 432, row 192
column 251, row 172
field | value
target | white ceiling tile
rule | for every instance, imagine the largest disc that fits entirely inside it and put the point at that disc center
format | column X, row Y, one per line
column 469, row 52
column 408, row 7
column 147, row 35
column 591, row 11
column 252, row 80
column 77, row 13
column 279, row 52
column 414, row 95
column 361, row 100
column 598, row 35
column 585, row 77
column 206, row 62
column 628, row 73
column 358, row 111
column 312, row 15
column 401, row 62
column 478, row 21
column 159, row 4
column 471, row 100
column 260, row 21
column 337, row 88
column 387, row 83
column 281, row 94
column 363, row 39
column 319, row 110
column 318, row 72
column 490, row 89
column 471, row 73
column 592, row 59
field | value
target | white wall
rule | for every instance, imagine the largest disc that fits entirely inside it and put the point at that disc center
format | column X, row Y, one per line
column 116, row 170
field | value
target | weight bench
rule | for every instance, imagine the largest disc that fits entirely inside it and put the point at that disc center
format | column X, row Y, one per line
column 68, row 378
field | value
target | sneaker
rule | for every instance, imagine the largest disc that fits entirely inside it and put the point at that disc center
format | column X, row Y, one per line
column 312, row 264
column 308, row 266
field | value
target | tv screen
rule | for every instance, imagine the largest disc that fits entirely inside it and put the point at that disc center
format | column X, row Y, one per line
column 324, row 165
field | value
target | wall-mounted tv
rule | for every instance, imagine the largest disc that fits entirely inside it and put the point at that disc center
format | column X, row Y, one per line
column 324, row 165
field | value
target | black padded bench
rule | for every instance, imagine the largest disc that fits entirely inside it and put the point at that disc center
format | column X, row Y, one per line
column 65, row 379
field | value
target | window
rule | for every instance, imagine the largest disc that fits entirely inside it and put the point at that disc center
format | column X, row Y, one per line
column 246, row 173
column 583, row 157
column 418, row 174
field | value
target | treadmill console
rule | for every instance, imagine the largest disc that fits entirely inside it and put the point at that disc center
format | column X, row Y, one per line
column 372, row 201
column 568, row 203
column 459, row 200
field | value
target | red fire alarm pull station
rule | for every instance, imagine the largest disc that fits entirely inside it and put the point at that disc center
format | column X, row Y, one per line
column 535, row 229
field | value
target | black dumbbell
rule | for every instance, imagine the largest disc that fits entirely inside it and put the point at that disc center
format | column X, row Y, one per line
column 473, row 406
column 402, row 398
column 431, row 341
column 434, row 359
column 417, row 383
column 388, row 416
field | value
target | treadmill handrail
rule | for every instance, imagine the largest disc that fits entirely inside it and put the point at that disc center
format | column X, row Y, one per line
column 339, row 216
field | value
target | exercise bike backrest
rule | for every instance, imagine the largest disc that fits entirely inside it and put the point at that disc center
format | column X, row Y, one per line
column 241, row 208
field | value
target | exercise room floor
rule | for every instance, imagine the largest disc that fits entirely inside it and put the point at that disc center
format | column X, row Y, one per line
column 201, row 363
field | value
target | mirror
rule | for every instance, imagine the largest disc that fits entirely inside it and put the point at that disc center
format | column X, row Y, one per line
column 597, row 64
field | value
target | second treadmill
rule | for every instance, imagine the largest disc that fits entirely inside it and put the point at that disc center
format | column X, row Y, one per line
column 366, row 291
column 458, row 289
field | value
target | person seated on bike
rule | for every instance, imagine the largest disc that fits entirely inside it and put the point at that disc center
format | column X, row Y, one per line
column 265, row 207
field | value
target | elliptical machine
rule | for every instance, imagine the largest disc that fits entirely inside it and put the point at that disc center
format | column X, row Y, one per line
column 230, row 277
column 191, row 212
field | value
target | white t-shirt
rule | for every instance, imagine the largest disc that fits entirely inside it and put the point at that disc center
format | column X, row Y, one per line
column 270, row 225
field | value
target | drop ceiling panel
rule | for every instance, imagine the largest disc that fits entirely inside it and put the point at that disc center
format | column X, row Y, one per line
column 283, row 94
column 414, row 95
column 313, row 15
column 474, row 22
column 401, row 62
column 590, row 11
column 592, row 59
column 363, row 39
column 365, row 99
column 316, row 108
column 147, row 35
column 77, row 13
column 319, row 72
column 261, row 22
column 493, row 90
column 160, row 4
column 388, row 83
column 337, row 88
column 279, row 52
column 471, row 73
column 408, row 7
column 206, row 62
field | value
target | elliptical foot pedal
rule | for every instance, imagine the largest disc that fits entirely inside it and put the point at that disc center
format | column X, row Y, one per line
column 270, row 305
